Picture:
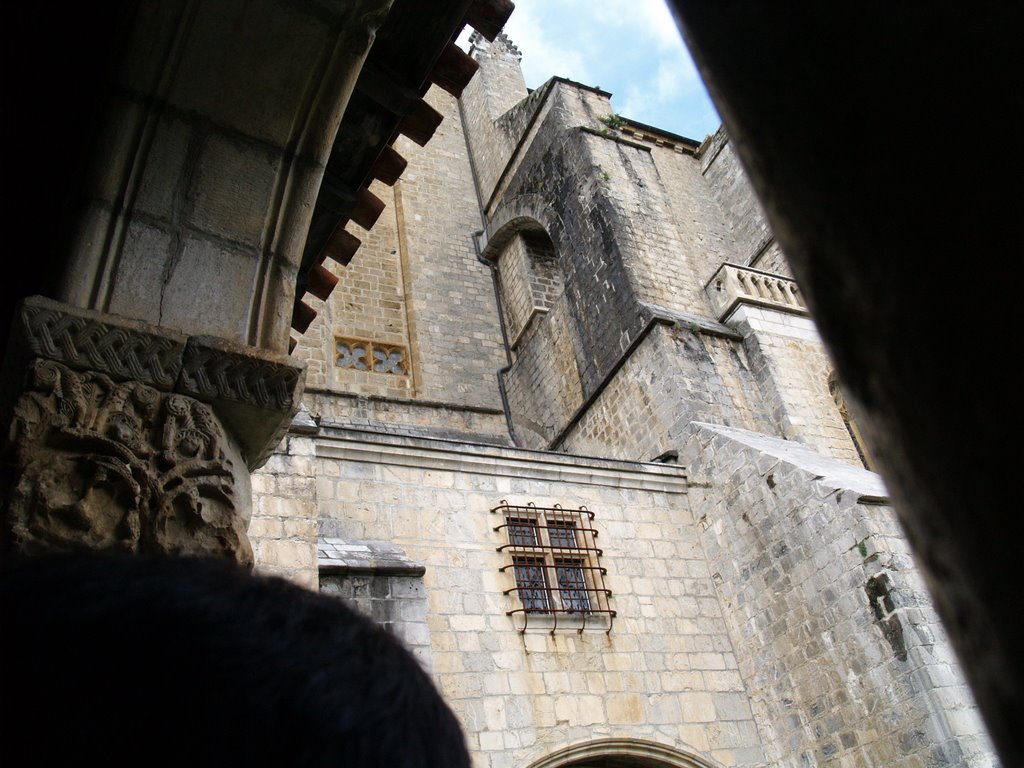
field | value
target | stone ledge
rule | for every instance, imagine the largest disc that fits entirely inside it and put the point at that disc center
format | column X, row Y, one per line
column 380, row 558
column 447, row 455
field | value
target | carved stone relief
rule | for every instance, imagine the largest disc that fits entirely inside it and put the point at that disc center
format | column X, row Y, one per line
column 102, row 464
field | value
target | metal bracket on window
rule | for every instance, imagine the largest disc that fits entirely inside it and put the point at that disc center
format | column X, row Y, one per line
column 555, row 562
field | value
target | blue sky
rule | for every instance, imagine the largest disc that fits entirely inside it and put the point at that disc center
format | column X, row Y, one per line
column 631, row 48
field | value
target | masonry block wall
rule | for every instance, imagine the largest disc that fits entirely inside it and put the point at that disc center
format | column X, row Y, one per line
column 197, row 213
column 454, row 327
column 492, row 93
column 366, row 311
column 755, row 245
column 844, row 656
column 530, row 277
column 414, row 290
column 705, row 228
column 677, row 375
column 397, row 603
column 283, row 528
column 767, row 610
column 666, row 671
column 789, row 363
column 544, row 386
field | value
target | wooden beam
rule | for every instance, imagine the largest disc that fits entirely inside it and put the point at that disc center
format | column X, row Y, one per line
column 367, row 210
column 342, row 245
column 488, row 16
column 389, row 166
column 302, row 316
column 453, row 70
column 420, row 124
column 320, row 282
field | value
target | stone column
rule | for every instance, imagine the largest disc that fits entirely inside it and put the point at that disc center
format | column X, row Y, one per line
column 127, row 436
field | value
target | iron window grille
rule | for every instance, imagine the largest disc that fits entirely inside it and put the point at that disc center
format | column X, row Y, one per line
column 554, row 559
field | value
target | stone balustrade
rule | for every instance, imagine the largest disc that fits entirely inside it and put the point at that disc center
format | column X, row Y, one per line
column 732, row 285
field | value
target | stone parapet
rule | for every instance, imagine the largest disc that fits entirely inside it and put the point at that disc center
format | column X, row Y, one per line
column 732, row 285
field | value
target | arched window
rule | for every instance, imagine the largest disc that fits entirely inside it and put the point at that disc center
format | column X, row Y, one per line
column 531, row 280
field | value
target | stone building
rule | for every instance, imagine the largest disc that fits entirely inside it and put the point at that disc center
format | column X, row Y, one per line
column 565, row 425
column 569, row 430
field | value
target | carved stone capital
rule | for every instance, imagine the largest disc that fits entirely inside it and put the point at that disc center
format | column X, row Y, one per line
column 124, row 435
column 254, row 392
column 101, row 464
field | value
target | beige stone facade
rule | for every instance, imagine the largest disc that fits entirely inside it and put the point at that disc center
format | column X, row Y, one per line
column 532, row 325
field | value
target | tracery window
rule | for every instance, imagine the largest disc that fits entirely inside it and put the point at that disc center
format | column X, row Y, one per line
column 555, row 563
column 365, row 355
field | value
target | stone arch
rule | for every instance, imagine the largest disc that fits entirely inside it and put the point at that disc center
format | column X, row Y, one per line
column 622, row 753
column 530, row 275
column 524, row 212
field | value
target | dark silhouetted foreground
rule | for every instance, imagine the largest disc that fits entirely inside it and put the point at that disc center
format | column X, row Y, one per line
column 196, row 662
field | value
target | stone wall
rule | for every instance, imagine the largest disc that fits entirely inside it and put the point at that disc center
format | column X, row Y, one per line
column 844, row 656
column 454, row 329
column 377, row 579
column 414, row 292
column 366, row 311
column 492, row 92
column 531, row 281
column 544, row 386
column 731, row 187
column 705, row 231
column 201, row 188
column 284, row 518
column 673, row 377
column 789, row 363
column 666, row 671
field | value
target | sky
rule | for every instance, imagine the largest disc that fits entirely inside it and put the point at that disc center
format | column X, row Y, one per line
column 631, row 48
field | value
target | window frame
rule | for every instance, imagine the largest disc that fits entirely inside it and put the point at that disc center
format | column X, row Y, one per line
column 562, row 543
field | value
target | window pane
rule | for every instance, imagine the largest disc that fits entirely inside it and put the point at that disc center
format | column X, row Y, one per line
column 522, row 532
column 532, row 584
column 572, row 586
column 562, row 533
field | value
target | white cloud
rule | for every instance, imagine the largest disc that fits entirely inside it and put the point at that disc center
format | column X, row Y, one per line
column 631, row 48
column 545, row 51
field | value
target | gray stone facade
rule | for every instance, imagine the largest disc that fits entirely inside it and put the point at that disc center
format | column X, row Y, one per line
column 547, row 278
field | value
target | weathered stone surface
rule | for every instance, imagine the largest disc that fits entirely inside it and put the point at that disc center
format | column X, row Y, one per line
column 108, row 465
column 254, row 393
column 769, row 614
column 829, row 616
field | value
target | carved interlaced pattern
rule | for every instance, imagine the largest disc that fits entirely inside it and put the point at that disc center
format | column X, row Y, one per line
column 365, row 355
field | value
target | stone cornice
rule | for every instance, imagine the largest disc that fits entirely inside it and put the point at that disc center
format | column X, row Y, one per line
column 450, row 455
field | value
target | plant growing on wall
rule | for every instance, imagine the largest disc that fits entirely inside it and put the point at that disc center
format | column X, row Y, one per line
column 614, row 121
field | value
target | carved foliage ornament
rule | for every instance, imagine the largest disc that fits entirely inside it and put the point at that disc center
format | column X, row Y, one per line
column 102, row 464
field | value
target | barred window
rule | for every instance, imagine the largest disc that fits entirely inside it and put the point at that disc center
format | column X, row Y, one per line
column 562, row 534
column 555, row 563
column 522, row 532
